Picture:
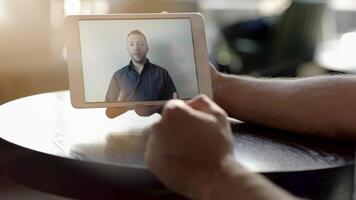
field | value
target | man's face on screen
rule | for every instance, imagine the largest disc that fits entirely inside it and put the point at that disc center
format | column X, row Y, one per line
column 137, row 47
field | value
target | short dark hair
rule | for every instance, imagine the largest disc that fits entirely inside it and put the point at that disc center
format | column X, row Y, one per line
column 137, row 32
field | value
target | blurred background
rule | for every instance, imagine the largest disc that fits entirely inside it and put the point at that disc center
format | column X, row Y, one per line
column 269, row 38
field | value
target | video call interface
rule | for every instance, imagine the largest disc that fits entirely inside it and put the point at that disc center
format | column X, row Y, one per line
column 138, row 60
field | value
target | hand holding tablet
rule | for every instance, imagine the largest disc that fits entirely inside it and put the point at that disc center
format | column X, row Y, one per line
column 136, row 59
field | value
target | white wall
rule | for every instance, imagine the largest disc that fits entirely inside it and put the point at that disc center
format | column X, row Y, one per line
column 103, row 46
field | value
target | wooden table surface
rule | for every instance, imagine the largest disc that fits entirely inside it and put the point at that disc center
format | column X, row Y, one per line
column 44, row 129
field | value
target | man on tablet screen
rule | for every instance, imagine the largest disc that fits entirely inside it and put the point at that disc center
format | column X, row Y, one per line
column 140, row 80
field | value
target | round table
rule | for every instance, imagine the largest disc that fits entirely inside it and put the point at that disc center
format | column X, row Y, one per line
column 47, row 128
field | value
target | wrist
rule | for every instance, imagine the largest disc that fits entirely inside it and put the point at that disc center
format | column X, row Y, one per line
column 221, row 182
column 232, row 181
column 211, row 180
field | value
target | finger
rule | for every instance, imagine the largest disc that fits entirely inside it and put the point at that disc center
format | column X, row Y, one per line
column 177, row 114
column 175, row 109
column 175, row 95
column 205, row 104
column 113, row 112
column 144, row 110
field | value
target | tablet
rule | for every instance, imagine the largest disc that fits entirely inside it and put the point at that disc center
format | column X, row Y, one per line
column 129, row 59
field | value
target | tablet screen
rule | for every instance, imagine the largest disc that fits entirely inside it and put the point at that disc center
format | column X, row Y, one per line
column 137, row 60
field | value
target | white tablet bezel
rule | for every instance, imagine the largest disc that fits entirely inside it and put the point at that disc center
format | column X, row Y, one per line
column 74, row 59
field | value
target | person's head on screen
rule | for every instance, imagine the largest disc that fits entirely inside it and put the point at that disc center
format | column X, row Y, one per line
column 137, row 46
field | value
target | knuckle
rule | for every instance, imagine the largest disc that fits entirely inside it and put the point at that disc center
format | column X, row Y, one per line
column 202, row 100
column 218, row 114
column 203, row 97
column 216, row 110
column 222, row 112
column 173, row 108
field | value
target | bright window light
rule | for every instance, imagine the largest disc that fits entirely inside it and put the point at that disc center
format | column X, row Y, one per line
column 101, row 7
column 72, row 7
column 3, row 14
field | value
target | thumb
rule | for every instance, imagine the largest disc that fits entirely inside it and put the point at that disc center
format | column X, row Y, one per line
column 175, row 95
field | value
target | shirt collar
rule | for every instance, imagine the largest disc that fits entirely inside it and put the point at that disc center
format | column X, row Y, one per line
column 131, row 67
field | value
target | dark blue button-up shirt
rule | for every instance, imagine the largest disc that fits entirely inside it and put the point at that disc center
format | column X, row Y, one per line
column 154, row 83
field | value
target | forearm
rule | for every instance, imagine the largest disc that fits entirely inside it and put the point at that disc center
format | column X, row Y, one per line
column 234, row 182
column 324, row 105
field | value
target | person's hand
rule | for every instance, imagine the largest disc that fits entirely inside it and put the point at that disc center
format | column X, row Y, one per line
column 191, row 141
column 142, row 110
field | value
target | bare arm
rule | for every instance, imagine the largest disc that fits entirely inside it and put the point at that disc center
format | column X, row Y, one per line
column 205, row 169
column 232, row 181
column 324, row 106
